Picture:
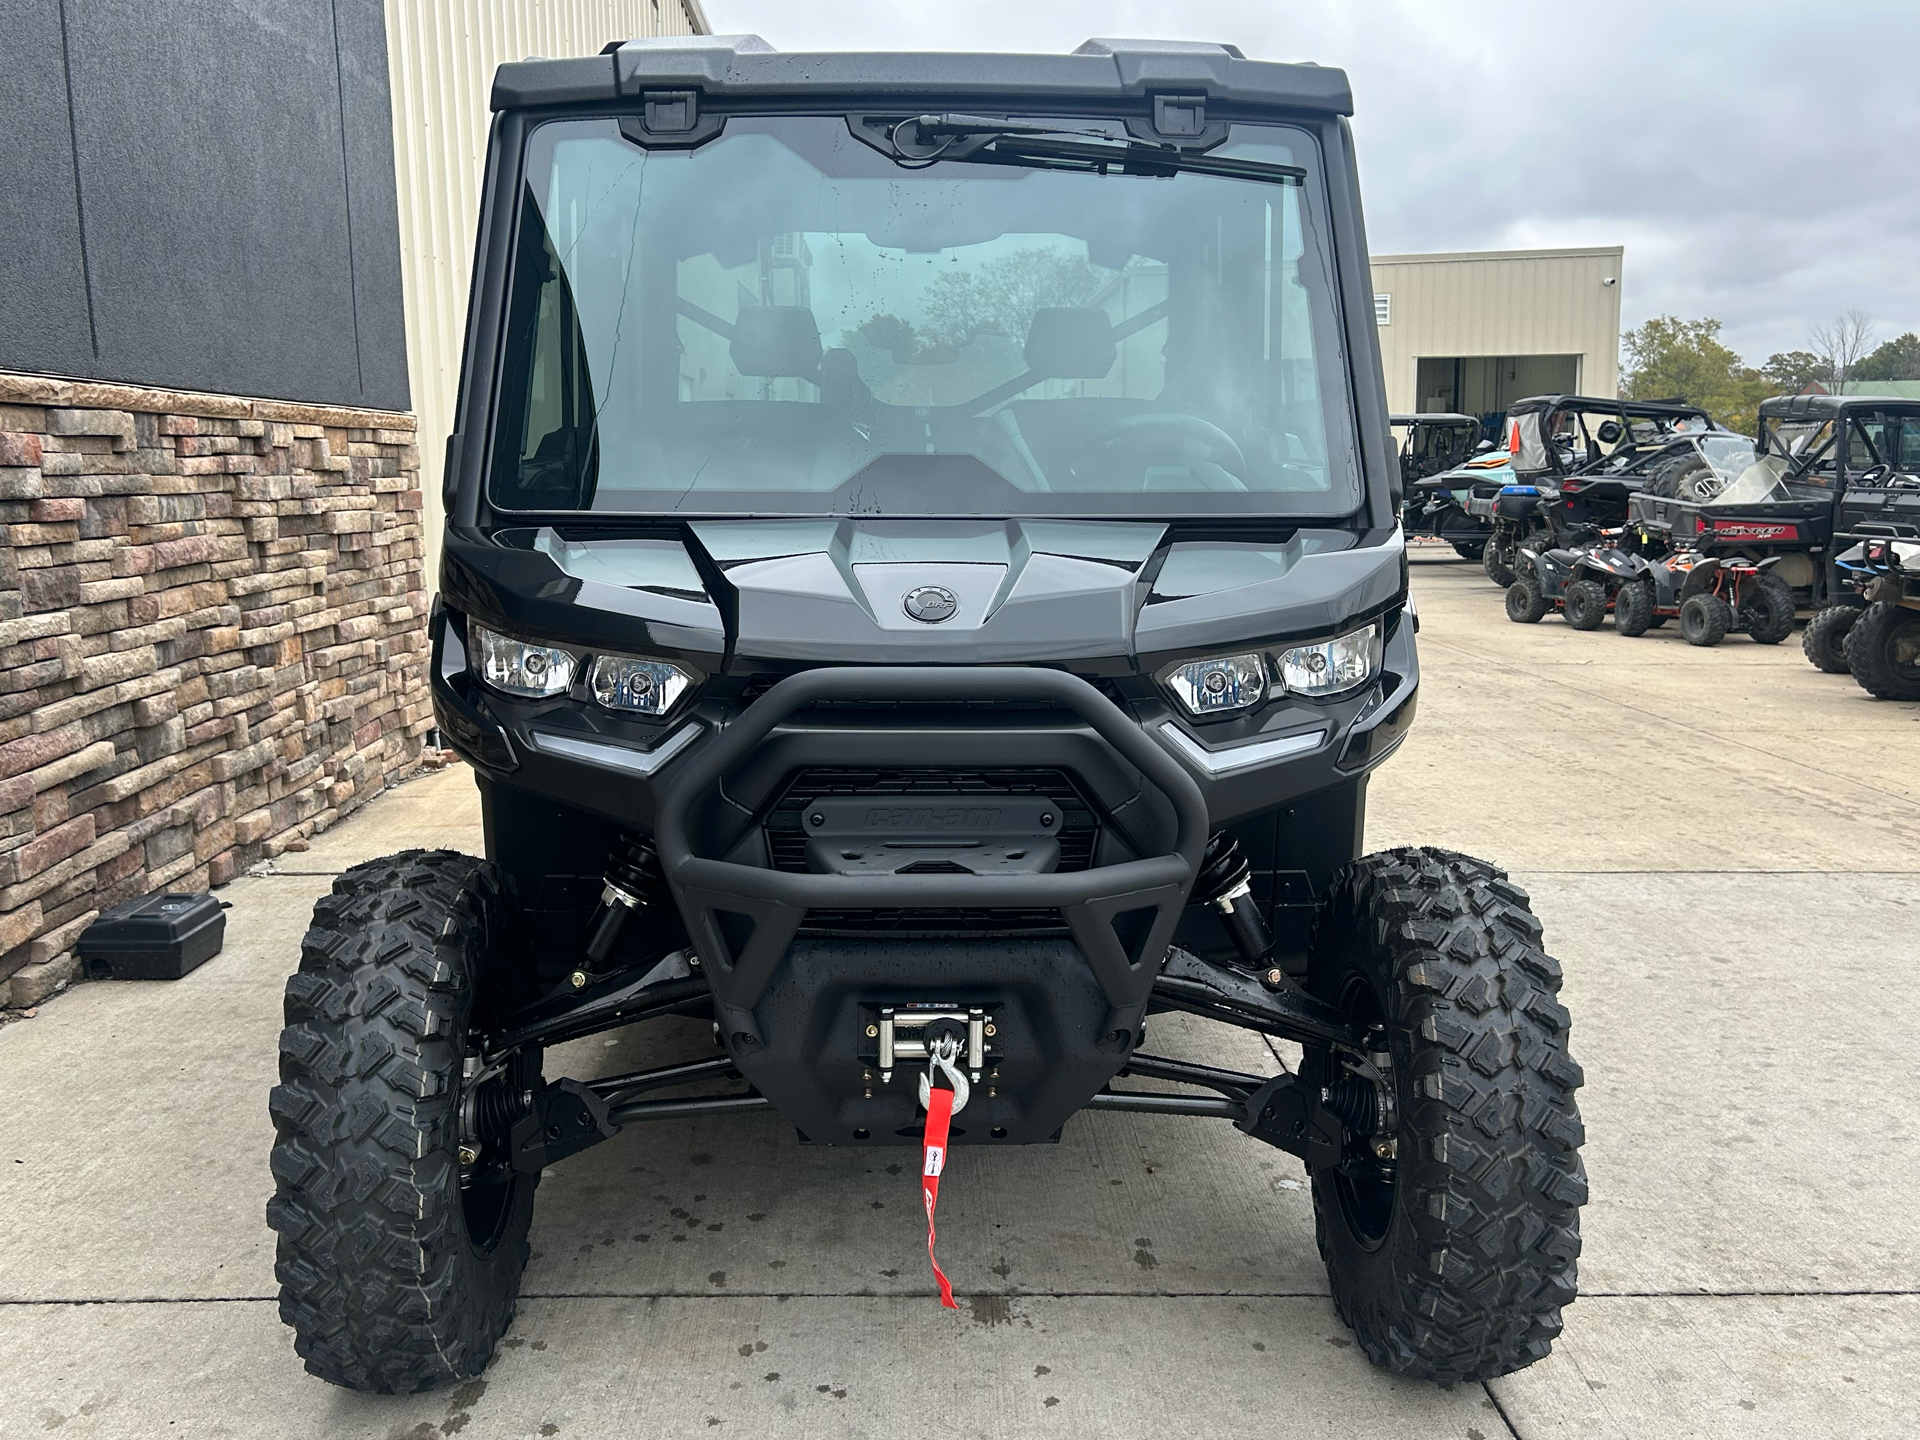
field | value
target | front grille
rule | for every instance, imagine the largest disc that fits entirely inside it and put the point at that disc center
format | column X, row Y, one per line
column 786, row 834
column 787, row 843
column 905, row 923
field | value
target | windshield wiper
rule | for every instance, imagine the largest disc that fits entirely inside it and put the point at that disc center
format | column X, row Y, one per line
column 922, row 140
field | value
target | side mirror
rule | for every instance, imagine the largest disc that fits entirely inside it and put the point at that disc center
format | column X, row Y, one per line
column 1483, row 447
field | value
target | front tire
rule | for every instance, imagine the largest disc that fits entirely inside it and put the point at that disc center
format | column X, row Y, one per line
column 1883, row 651
column 395, row 1274
column 1768, row 610
column 1824, row 641
column 1633, row 608
column 1586, row 604
column 1495, row 559
column 1705, row 619
column 1453, row 1264
column 1525, row 604
column 1470, row 549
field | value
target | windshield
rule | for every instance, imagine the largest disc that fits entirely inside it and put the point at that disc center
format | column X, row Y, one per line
column 1698, row 467
column 786, row 321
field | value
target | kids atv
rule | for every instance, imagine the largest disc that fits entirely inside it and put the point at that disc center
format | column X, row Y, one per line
column 922, row 590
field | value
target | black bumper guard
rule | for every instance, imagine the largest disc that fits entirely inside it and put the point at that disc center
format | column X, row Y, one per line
column 742, row 918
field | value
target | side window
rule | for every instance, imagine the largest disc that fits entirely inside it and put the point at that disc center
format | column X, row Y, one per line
column 1910, row 443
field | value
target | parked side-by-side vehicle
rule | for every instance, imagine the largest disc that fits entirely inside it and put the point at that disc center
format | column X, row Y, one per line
column 923, row 592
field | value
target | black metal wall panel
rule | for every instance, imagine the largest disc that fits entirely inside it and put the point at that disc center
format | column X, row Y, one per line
column 233, row 227
column 43, row 302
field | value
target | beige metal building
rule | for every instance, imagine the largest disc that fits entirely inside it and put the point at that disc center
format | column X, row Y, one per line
column 441, row 55
column 1471, row 332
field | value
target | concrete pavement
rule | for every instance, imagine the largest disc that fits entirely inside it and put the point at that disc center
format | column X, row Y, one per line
column 1725, row 848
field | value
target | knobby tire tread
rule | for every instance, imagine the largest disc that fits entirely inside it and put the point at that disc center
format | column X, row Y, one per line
column 377, row 1277
column 1485, row 1235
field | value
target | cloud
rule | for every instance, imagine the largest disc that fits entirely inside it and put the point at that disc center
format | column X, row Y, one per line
column 1757, row 160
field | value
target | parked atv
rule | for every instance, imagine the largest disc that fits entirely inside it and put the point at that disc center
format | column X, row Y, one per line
column 1575, row 461
column 1711, row 597
column 1883, row 644
column 1436, row 445
column 922, row 592
column 1544, row 583
column 1876, row 505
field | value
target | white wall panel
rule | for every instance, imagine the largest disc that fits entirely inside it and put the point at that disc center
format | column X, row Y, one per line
column 1500, row 303
column 441, row 55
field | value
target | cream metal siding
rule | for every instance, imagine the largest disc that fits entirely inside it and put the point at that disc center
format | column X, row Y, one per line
column 1500, row 303
column 441, row 55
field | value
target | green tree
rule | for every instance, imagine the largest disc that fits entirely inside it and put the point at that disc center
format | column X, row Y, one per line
column 892, row 334
column 1898, row 359
column 1788, row 372
column 1000, row 297
column 1668, row 358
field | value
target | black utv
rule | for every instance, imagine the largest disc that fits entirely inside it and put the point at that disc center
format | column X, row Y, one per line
column 922, row 590
column 1432, row 445
column 1576, row 461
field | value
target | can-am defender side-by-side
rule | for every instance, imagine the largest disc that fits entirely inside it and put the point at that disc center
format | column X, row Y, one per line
column 1575, row 463
column 1432, row 445
column 922, row 590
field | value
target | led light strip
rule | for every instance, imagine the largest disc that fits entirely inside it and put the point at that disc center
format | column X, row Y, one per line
column 616, row 757
column 1238, row 757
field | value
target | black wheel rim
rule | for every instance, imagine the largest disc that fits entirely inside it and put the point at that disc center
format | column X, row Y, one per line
column 1903, row 648
column 1366, row 1201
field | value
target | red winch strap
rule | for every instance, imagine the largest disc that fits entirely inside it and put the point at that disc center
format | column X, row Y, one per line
column 934, row 1155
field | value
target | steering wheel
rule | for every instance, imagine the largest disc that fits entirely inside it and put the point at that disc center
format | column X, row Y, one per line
column 1141, row 440
column 1873, row 475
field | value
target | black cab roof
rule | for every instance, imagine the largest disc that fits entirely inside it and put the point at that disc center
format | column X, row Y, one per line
column 1432, row 417
column 746, row 65
column 1650, row 409
column 1828, row 407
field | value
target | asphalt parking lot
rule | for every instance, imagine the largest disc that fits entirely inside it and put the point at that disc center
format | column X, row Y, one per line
column 1725, row 848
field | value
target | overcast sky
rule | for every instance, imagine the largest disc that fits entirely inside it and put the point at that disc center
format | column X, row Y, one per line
column 1759, row 160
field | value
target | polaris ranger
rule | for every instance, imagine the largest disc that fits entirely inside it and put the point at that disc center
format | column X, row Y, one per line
column 922, row 590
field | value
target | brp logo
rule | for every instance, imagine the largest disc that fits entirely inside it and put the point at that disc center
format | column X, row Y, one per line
column 930, row 604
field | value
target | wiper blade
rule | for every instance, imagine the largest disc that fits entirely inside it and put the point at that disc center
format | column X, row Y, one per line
column 984, row 141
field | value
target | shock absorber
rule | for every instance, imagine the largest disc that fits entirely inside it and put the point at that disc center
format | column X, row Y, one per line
column 1225, row 884
column 633, row 879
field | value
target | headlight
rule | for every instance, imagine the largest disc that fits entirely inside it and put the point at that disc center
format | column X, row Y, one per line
column 517, row 668
column 1216, row 687
column 1330, row 668
column 640, row 687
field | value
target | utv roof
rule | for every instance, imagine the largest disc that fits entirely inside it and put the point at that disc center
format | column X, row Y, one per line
column 747, row 66
column 1650, row 409
column 1826, row 407
column 1432, row 417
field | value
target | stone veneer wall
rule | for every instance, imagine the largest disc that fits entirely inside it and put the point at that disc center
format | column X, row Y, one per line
column 212, row 635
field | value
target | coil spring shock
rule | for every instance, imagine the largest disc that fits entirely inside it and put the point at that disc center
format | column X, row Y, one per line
column 1226, row 884
column 633, row 878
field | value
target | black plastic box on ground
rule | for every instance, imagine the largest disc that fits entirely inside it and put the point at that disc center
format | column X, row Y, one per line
column 160, row 937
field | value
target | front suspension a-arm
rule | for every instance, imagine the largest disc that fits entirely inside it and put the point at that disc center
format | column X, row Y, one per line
column 1187, row 982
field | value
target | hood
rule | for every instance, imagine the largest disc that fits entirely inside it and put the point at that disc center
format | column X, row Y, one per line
column 919, row 591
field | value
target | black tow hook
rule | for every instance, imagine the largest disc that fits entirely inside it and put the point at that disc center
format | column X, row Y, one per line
column 565, row 1119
